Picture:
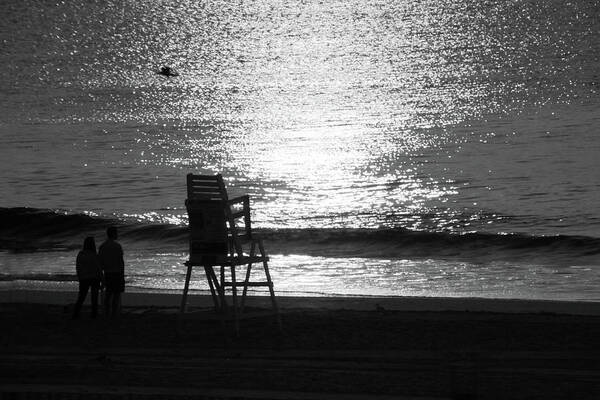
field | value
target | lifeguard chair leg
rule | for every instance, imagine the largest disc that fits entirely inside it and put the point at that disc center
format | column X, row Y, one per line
column 272, row 293
column 221, row 290
column 245, row 291
column 186, row 287
column 212, row 281
column 270, row 283
column 234, row 300
column 248, row 271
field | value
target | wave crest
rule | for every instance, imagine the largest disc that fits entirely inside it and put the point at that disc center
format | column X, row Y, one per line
column 29, row 229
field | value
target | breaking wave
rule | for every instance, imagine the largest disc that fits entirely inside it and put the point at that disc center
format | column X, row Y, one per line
column 28, row 230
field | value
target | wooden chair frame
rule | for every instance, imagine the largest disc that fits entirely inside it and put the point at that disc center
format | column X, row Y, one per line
column 244, row 248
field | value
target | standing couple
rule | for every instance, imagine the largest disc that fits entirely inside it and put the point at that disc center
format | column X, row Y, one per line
column 106, row 267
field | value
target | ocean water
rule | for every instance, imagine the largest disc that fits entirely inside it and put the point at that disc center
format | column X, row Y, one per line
column 390, row 147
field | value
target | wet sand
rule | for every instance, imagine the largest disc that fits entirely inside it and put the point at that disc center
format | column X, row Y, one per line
column 340, row 348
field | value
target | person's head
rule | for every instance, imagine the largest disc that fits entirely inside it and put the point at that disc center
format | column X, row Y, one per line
column 89, row 244
column 111, row 232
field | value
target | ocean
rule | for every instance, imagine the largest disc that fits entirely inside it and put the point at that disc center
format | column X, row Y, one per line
column 389, row 147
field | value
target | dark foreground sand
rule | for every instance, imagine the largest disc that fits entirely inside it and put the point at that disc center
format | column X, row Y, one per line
column 326, row 351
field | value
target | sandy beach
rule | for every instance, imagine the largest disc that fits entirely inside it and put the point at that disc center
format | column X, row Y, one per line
column 338, row 348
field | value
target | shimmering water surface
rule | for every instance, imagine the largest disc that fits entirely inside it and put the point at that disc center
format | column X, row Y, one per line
column 435, row 116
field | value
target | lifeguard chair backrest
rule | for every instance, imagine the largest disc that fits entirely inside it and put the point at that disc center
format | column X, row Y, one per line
column 205, row 205
column 206, row 187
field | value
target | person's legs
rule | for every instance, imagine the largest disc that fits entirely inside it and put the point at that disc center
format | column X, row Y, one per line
column 115, row 284
column 116, row 305
column 107, row 302
column 95, row 285
column 84, row 286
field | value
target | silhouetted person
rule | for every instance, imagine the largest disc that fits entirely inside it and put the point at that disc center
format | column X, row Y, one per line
column 111, row 258
column 89, row 274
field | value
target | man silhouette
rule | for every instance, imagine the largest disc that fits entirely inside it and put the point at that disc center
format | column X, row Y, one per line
column 111, row 258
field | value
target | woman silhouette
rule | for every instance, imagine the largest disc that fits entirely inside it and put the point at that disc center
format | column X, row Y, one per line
column 89, row 274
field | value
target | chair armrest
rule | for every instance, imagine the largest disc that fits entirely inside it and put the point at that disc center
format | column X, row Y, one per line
column 240, row 199
column 241, row 212
column 259, row 242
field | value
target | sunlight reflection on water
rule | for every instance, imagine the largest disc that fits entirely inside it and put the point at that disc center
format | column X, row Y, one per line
column 337, row 113
column 435, row 115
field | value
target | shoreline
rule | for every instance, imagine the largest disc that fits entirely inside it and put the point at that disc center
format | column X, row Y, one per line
column 353, row 303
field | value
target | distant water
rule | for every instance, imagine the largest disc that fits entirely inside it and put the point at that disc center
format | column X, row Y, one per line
column 437, row 148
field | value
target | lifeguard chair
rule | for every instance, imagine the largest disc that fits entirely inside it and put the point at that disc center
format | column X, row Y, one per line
column 221, row 236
